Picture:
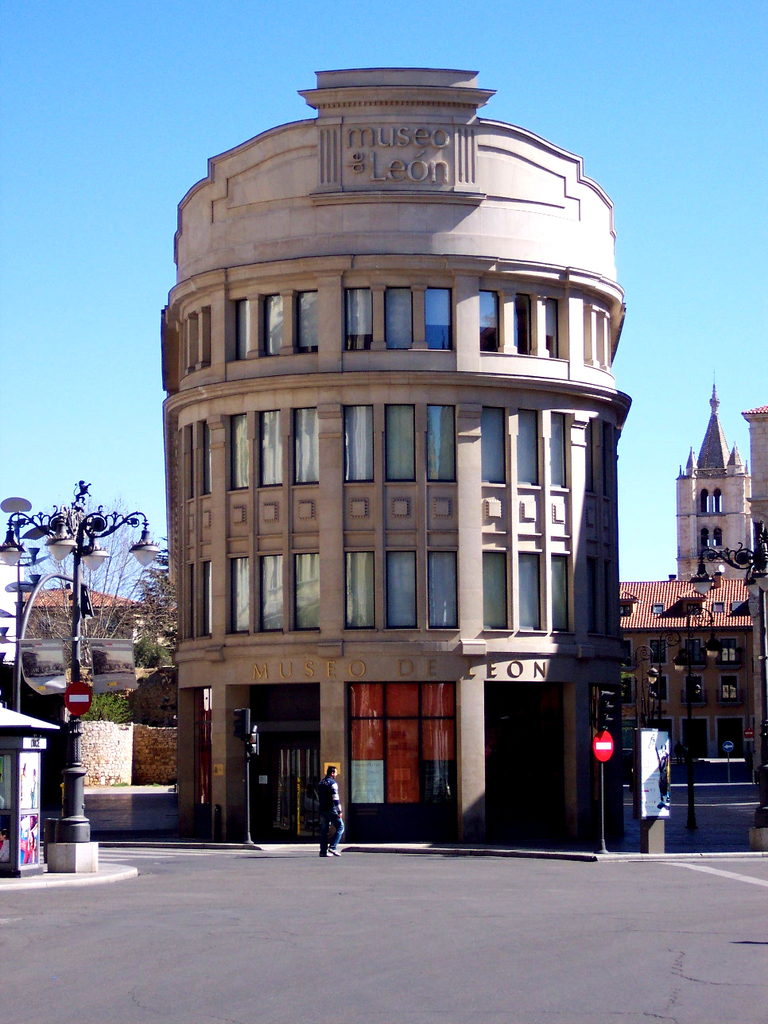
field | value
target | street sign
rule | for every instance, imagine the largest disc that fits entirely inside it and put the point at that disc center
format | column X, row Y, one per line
column 749, row 734
column 77, row 698
column 602, row 746
column 728, row 746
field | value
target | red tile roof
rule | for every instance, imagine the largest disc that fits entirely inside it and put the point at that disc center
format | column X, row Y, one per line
column 674, row 595
column 760, row 410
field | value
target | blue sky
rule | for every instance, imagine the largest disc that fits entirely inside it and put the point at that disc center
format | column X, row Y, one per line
column 111, row 111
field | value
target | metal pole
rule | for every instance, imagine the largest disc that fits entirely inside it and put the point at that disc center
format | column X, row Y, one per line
column 691, row 822
column 761, row 814
column 602, row 848
column 16, row 703
column 74, row 827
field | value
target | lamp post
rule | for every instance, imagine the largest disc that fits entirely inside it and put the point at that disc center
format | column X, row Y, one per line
column 685, row 661
column 754, row 563
column 73, row 530
column 649, row 699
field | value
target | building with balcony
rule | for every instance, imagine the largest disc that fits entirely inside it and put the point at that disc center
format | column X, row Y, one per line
column 391, row 432
column 664, row 621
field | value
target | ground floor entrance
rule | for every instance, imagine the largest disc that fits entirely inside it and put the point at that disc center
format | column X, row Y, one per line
column 730, row 729
column 284, row 777
column 524, row 772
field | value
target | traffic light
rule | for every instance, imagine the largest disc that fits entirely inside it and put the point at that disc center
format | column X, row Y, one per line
column 86, row 608
column 242, row 724
column 253, row 740
column 607, row 709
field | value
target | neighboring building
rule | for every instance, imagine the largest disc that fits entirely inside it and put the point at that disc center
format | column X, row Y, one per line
column 655, row 617
column 712, row 500
column 391, row 433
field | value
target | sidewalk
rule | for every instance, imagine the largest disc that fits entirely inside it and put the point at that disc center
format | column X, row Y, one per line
column 124, row 816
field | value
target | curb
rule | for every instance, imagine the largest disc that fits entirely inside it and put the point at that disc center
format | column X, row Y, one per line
column 53, row 881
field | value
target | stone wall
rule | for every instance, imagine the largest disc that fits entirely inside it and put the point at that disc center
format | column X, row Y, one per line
column 138, row 755
column 154, row 755
column 107, row 752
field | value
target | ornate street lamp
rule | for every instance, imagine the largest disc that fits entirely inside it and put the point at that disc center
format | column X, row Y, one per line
column 684, row 662
column 72, row 529
column 754, row 563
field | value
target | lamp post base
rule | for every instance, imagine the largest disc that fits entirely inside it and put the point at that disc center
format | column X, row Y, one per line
column 72, row 858
column 758, row 840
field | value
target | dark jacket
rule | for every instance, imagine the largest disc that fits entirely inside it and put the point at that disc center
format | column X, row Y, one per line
column 328, row 795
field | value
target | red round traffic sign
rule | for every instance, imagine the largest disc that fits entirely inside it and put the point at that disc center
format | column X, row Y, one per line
column 602, row 746
column 77, row 698
column 749, row 734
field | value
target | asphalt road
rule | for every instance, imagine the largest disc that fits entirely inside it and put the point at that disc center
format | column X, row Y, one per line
column 230, row 936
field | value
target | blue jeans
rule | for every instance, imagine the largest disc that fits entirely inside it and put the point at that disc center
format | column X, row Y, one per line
column 328, row 818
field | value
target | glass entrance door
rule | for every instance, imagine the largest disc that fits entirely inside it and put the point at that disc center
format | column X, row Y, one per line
column 283, row 786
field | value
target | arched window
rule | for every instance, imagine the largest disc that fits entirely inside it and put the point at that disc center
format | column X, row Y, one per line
column 717, row 537
column 704, row 501
column 705, row 538
column 717, row 501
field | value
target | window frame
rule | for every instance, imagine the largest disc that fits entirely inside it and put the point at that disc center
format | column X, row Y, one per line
column 301, row 317
column 358, row 342
column 431, row 328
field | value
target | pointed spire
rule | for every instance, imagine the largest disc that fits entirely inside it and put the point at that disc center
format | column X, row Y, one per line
column 691, row 465
column 714, row 449
column 735, row 459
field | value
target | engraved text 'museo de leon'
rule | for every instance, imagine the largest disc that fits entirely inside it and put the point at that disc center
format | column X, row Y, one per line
column 421, row 157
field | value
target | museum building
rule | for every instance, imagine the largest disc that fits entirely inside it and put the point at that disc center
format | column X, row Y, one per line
column 391, row 432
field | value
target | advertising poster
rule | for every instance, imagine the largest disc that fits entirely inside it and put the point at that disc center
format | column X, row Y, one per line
column 113, row 667
column 29, row 781
column 29, row 846
column 5, row 781
column 5, row 839
column 654, row 766
column 42, row 665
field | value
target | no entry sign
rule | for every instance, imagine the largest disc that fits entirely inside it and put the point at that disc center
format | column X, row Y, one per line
column 602, row 746
column 77, row 698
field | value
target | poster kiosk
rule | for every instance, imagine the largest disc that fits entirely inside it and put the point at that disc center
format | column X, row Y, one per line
column 21, row 747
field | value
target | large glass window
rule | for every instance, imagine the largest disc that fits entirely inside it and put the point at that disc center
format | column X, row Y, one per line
column 493, row 424
column 441, row 443
column 529, row 591
column 307, row 591
column 403, row 743
column 400, row 454
column 551, row 327
column 306, row 314
column 359, row 590
column 494, row 590
column 523, row 324
column 359, row 317
column 401, row 589
column 271, row 470
column 273, row 324
column 441, row 581
column 527, row 447
column 242, row 328
column 557, row 463
column 206, row 625
column 306, row 450
column 206, row 459
column 489, row 322
column 398, row 317
column 240, row 605
column 271, row 592
column 437, row 317
column 238, row 451
column 559, row 583
column 358, row 442
column 589, row 454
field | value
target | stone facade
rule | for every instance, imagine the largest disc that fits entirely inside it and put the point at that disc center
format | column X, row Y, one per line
column 107, row 753
column 712, row 500
column 124, row 755
column 391, row 434
column 154, row 756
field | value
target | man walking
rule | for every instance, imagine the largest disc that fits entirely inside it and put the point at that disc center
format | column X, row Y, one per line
column 330, row 813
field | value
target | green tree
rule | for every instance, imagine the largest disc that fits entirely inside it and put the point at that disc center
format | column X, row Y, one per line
column 155, row 637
